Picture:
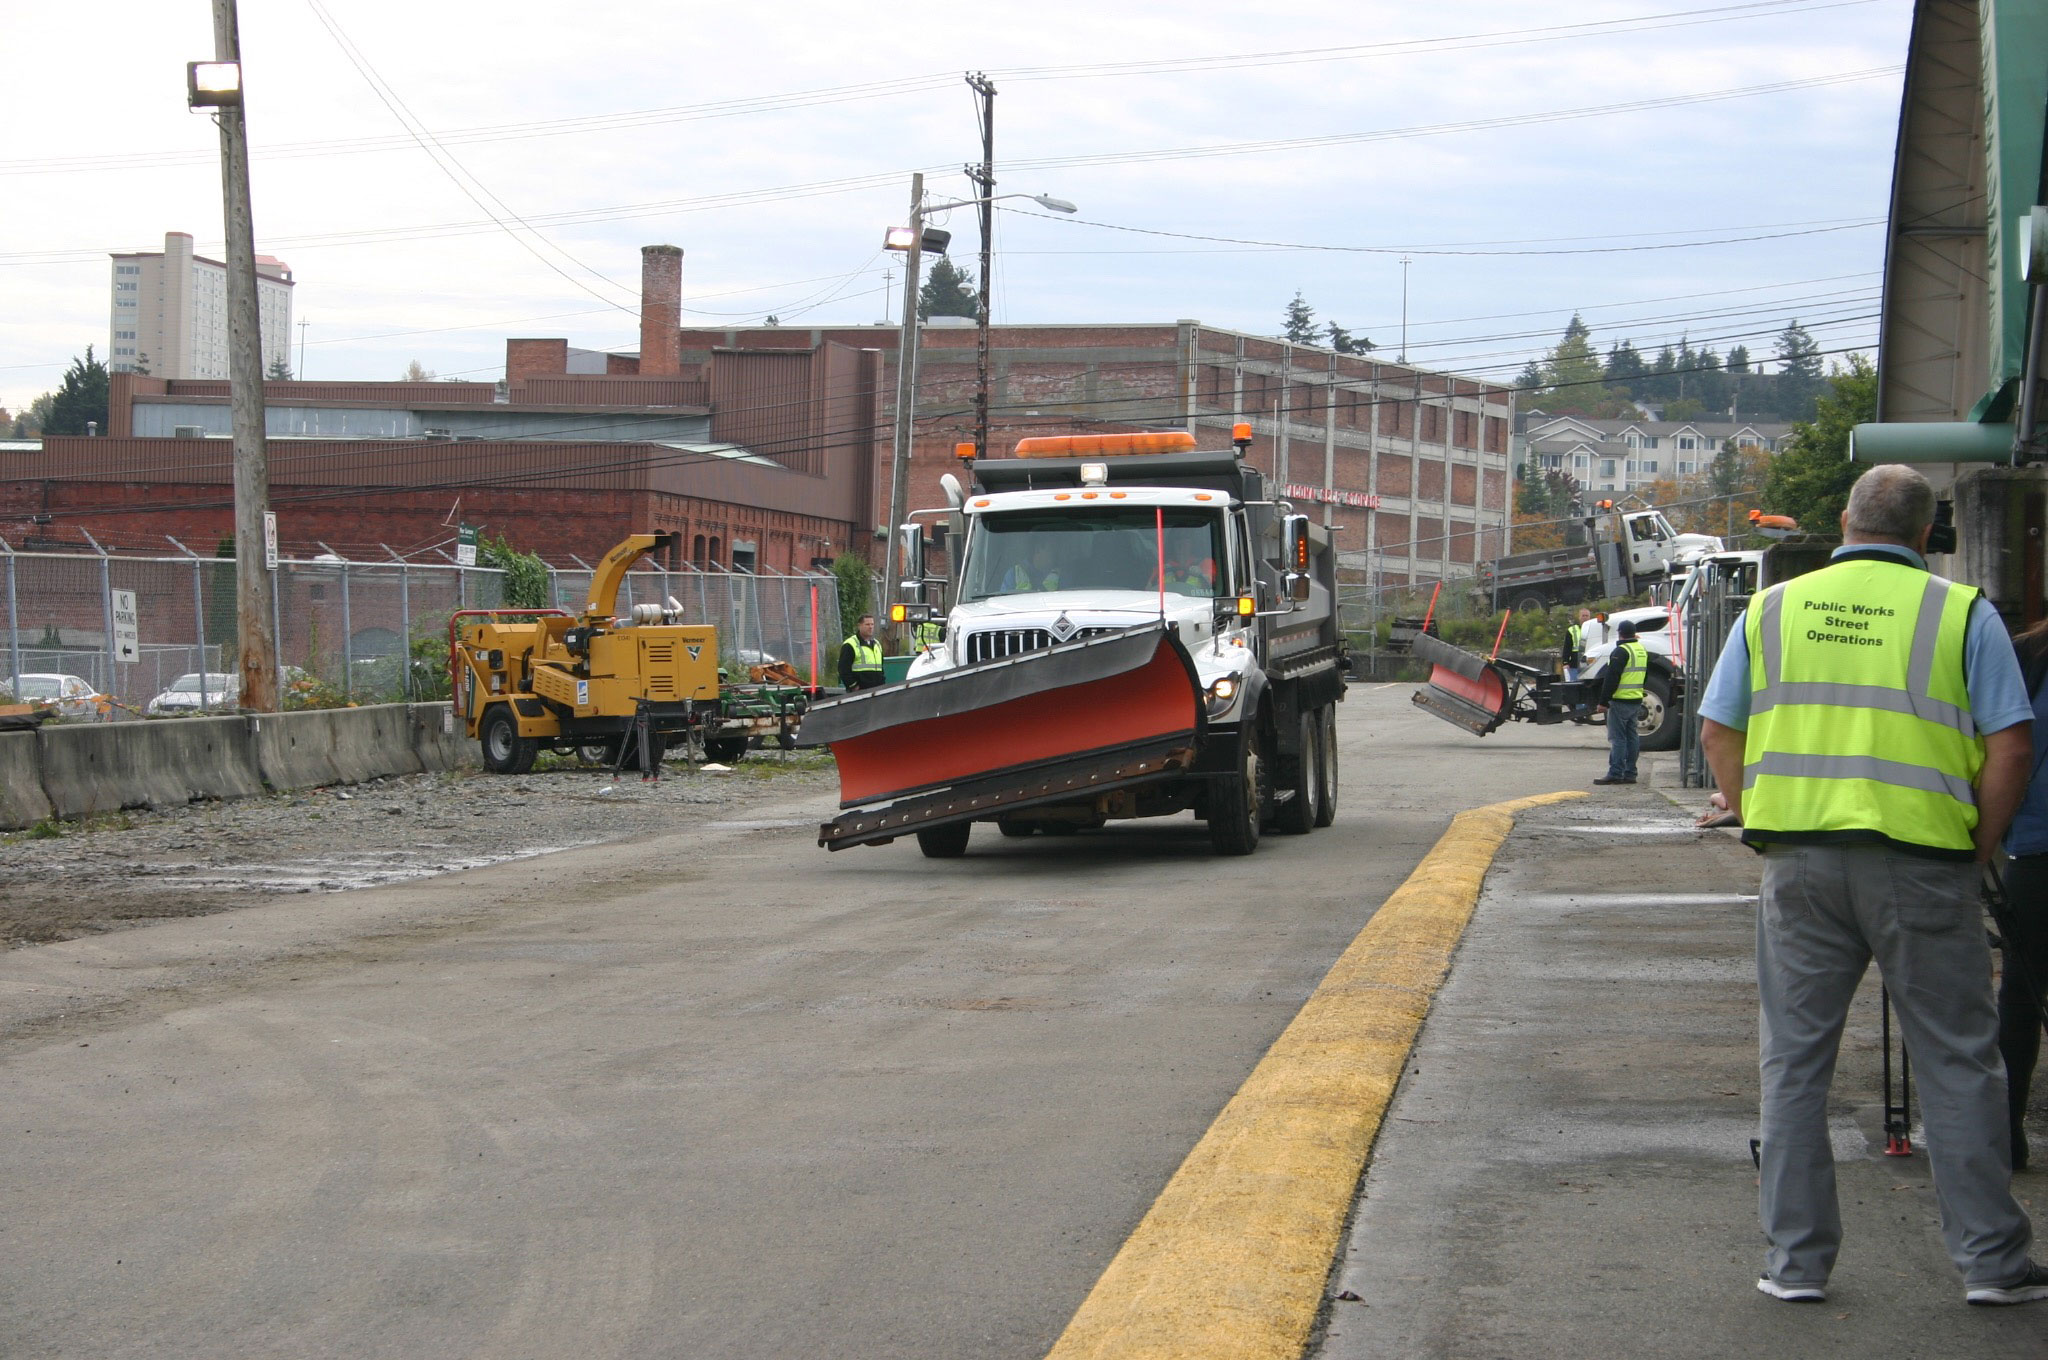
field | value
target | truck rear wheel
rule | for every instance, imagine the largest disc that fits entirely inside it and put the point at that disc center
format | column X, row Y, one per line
column 505, row 751
column 1298, row 815
column 1011, row 827
column 945, row 842
column 1326, row 733
column 725, row 750
column 1235, row 802
column 1657, row 724
column 1530, row 600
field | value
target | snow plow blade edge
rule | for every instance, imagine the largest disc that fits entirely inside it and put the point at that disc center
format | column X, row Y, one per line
column 1463, row 689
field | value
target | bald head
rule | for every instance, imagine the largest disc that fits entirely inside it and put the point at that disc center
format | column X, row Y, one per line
column 1891, row 503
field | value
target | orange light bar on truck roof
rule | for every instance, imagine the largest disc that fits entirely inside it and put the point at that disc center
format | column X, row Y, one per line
column 1105, row 445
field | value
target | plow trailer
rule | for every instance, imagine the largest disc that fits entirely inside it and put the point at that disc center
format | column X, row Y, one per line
column 1479, row 695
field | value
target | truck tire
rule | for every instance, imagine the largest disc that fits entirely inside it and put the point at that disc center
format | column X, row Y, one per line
column 725, row 750
column 945, row 842
column 1326, row 734
column 505, row 751
column 1297, row 815
column 1014, row 828
column 1235, row 804
column 1530, row 600
column 1657, row 724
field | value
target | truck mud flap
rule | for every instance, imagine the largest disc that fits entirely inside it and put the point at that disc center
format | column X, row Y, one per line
column 1105, row 697
column 1463, row 689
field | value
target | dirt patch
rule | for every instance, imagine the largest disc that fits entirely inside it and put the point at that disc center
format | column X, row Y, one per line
column 63, row 880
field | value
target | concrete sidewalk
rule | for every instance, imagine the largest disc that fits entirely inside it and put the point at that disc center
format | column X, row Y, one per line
column 1566, row 1171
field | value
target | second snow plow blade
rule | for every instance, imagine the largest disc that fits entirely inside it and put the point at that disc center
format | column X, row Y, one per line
column 1046, row 726
column 1463, row 689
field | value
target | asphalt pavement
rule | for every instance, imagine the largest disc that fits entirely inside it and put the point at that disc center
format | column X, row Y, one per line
column 712, row 1093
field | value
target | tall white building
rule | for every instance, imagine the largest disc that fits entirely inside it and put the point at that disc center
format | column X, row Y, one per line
column 168, row 312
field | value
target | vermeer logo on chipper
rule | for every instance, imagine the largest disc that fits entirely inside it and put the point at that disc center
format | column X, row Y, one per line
column 694, row 649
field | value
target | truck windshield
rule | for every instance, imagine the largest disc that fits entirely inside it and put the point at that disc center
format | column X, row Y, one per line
column 1096, row 548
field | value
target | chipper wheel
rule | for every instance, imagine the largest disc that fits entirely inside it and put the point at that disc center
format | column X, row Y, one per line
column 945, row 842
column 505, row 751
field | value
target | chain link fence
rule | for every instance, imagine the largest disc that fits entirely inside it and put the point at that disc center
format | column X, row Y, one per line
column 362, row 631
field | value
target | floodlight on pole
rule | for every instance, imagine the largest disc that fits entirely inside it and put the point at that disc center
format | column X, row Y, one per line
column 213, row 84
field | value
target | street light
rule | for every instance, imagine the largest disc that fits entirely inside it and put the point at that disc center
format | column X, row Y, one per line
column 913, row 240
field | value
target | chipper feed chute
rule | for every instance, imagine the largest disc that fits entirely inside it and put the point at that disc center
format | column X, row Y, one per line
column 1057, row 725
column 1463, row 689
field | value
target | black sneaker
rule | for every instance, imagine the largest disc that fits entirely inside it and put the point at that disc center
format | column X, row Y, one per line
column 1795, row 1293
column 1613, row 779
column 2031, row 1287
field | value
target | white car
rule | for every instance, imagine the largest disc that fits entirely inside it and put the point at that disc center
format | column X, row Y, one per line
column 68, row 696
column 222, row 690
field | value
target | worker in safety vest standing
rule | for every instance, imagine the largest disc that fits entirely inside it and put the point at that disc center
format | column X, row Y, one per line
column 1621, row 688
column 1868, row 724
column 1575, row 645
column 860, row 656
column 928, row 635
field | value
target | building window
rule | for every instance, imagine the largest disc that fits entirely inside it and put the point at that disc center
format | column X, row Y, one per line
column 1685, row 441
column 1630, row 469
column 124, row 335
column 124, row 287
column 1684, row 467
column 1649, row 465
column 1579, row 460
column 1607, row 469
column 1630, row 441
column 1650, row 442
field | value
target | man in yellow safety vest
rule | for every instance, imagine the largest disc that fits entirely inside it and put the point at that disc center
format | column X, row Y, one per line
column 860, row 656
column 1869, row 725
column 1621, row 688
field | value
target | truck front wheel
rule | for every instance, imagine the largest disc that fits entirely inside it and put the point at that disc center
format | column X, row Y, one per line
column 1657, row 724
column 945, row 842
column 1235, row 801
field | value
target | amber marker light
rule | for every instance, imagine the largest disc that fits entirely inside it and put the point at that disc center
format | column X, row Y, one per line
column 898, row 613
column 1246, row 606
column 964, row 451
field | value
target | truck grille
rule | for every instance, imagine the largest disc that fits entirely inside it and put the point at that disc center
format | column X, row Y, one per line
column 997, row 643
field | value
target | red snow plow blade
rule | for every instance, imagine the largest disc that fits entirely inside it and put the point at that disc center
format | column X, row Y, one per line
column 1067, row 722
column 1462, row 688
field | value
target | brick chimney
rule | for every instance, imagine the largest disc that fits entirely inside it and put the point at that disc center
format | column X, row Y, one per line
column 661, row 311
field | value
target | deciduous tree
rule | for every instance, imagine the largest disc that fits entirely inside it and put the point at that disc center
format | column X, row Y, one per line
column 1810, row 478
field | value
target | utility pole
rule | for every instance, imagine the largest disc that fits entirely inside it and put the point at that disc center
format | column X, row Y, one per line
column 253, row 619
column 906, row 397
column 302, row 349
column 1404, row 309
column 984, row 179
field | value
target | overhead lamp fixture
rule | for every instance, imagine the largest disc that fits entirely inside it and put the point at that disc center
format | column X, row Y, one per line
column 1059, row 205
column 936, row 239
column 213, row 84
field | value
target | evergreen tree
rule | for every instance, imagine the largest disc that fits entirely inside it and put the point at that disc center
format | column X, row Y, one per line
column 1624, row 366
column 1344, row 342
column 1738, row 359
column 948, row 291
column 278, row 371
column 1299, row 325
column 80, row 398
column 1799, row 373
column 1572, row 373
column 1810, row 478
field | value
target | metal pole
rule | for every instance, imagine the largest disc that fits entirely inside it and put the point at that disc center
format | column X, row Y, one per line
column 199, row 628
column 107, row 685
column 276, row 622
column 348, row 633
column 13, row 615
column 906, row 395
column 405, row 628
column 985, row 180
column 256, row 630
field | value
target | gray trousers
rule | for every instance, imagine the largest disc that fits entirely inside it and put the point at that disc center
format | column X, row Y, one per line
column 1826, row 912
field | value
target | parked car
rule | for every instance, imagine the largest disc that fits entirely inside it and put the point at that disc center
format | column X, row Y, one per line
column 68, row 696
column 183, row 697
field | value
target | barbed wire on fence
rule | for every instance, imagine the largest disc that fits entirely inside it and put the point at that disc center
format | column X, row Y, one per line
column 365, row 630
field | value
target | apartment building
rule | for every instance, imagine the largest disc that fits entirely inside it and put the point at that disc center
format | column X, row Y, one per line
column 167, row 312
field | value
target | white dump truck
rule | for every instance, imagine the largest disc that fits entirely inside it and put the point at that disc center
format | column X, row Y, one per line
column 1135, row 628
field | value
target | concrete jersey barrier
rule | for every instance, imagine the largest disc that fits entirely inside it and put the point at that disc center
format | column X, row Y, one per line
column 106, row 767
column 22, row 800
column 75, row 771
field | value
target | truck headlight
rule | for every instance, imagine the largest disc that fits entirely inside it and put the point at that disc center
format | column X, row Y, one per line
column 1222, row 693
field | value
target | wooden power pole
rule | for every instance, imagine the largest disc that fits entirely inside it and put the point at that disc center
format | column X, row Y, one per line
column 253, row 617
column 984, row 179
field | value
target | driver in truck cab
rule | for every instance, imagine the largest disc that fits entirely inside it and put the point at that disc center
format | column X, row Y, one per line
column 1037, row 574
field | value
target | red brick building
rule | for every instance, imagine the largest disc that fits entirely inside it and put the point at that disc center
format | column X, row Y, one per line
column 1410, row 468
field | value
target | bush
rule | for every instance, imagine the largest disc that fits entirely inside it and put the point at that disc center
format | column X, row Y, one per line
column 856, row 591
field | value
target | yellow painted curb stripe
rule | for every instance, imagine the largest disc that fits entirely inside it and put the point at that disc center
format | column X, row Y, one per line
column 1232, row 1258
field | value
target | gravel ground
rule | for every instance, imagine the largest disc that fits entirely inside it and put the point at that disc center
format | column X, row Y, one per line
column 133, row 867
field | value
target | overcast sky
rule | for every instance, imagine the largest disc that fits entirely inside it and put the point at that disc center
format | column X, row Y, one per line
column 775, row 144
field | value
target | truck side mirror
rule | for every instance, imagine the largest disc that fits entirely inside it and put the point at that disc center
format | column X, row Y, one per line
column 910, row 558
column 1294, row 557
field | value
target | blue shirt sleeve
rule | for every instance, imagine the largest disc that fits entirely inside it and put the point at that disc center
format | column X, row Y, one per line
column 1726, row 698
column 1998, row 692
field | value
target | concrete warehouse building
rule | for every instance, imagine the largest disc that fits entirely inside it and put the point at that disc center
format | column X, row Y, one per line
column 167, row 312
column 1410, row 467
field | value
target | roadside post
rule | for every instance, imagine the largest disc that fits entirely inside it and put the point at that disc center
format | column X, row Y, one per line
column 14, row 613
